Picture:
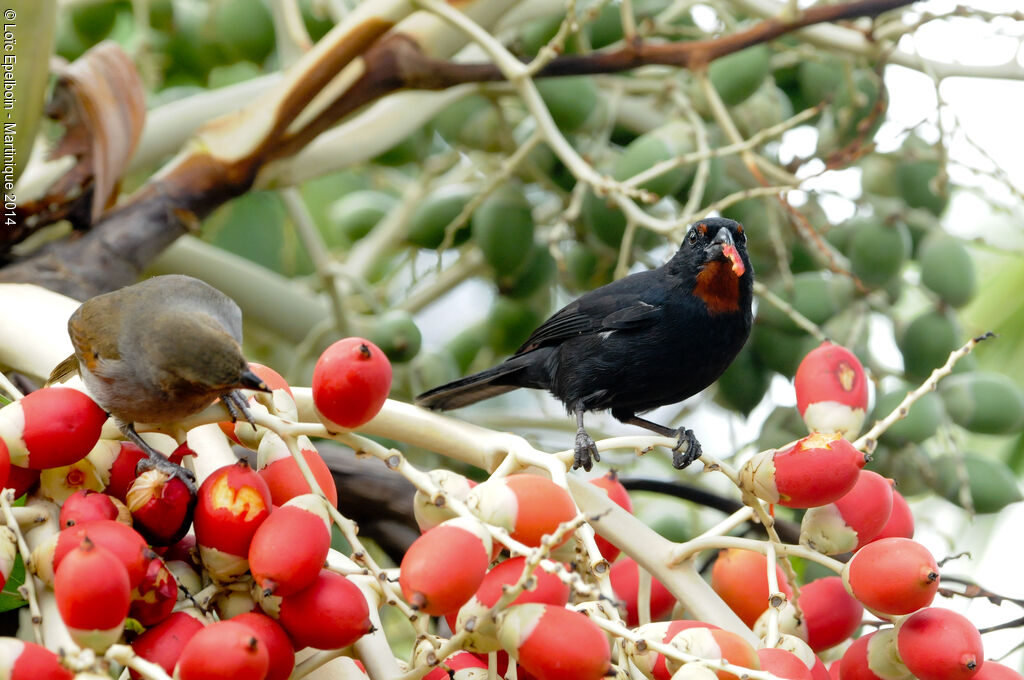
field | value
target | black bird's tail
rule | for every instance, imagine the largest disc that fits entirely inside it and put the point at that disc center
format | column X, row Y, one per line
column 472, row 388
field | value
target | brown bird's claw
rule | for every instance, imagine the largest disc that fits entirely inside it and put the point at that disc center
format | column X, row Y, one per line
column 238, row 406
column 682, row 457
column 584, row 451
column 156, row 461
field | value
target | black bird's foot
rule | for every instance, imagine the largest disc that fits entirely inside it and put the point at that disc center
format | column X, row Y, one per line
column 584, row 451
column 238, row 406
column 686, row 450
column 156, row 461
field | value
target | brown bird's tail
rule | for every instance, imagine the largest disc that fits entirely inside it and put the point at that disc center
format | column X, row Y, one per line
column 471, row 389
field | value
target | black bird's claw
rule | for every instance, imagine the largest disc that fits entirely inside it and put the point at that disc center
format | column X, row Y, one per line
column 158, row 462
column 238, row 406
column 584, row 451
column 682, row 457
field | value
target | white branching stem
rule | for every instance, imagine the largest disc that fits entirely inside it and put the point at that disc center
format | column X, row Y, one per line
column 869, row 440
column 789, row 310
column 6, row 498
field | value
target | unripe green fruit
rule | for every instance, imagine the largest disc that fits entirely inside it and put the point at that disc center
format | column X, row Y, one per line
column 815, row 294
column 782, row 426
column 768, row 106
column 503, row 229
column 356, row 213
column 410, row 150
column 435, row 212
column 737, row 76
column 510, row 323
column 878, row 175
column 926, row 343
column 915, row 180
column 819, row 79
column 660, row 144
column 93, row 21
column 606, row 28
column 878, row 250
column 472, row 121
column 243, row 29
column 586, row 269
column 467, row 344
column 922, row 420
column 396, row 334
column 572, row 101
column 947, row 269
column 536, row 273
column 983, row 402
column 780, row 351
column 991, row 482
column 744, row 383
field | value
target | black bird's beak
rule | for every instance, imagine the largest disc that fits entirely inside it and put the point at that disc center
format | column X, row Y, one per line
column 722, row 247
column 251, row 381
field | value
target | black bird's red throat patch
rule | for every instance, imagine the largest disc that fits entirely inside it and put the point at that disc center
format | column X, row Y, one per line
column 718, row 287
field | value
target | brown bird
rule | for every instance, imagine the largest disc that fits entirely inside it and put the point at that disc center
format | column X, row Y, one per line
column 157, row 352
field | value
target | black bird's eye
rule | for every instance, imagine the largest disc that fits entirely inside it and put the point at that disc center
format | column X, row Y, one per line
column 692, row 236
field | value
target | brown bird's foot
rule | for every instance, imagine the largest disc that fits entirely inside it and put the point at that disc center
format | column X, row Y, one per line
column 687, row 448
column 157, row 461
column 238, row 406
column 584, row 450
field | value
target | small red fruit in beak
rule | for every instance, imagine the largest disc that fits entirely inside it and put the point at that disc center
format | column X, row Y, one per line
column 729, row 250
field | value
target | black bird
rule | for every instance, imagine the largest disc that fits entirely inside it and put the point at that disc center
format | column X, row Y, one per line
column 649, row 339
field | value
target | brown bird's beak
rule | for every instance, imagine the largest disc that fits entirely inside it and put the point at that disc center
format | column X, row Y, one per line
column 250, row 380
column 722, row 246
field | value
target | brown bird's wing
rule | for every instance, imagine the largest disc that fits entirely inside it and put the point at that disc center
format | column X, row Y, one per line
column 64, row 370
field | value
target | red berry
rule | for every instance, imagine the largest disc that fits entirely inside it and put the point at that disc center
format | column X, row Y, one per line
column 282, row 474
column 992, row 670
column 901, row 520
column 223, row 651
column 830, row 613
column 714, row 643
column 20, row 660
column 831, row 390
column 652, row 663
column 351, row 381
column 853, row 520
column 122, row 541
column 554, row 643
column 783, row 664
column 818, row 469
column 330, row 614
column 545, row 588
column 92, row 592
column 939, row 644
column 740, row 577
column 625, row 578
column 892, row 576
column 161, row 507
column 122, row 469
column 51, row 427
column 275, row 640
column 86, row 505
column 290, row 547
column 162, row 644
column 154, row 598
column 233, row 501
column 872, row 657
column 528, row 506
column 444, row 567
column 613, row 487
